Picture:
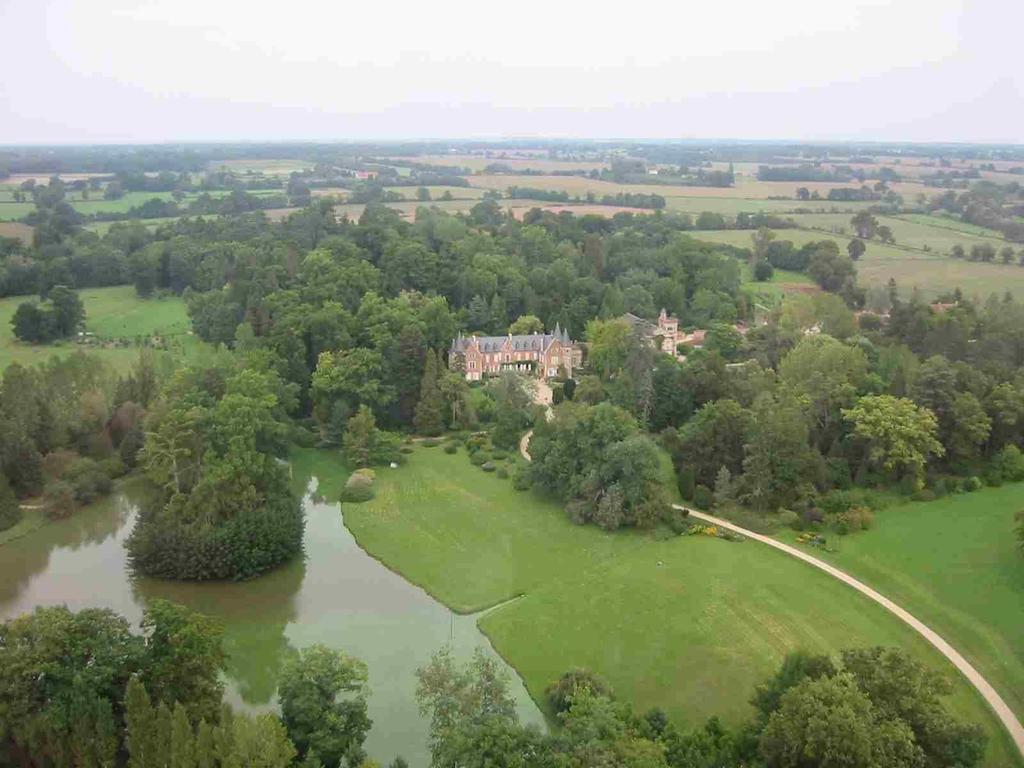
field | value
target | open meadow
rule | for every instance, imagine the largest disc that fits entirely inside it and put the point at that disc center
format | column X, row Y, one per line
column 937, row 560
column 266, row 166
column 689, row 624
column 477, row 163
column 110, row 313
column 932, row 274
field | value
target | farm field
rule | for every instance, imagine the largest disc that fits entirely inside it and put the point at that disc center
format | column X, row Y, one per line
column 11, row 211
column 269, row 167
column 687, row 624
column 913, row 233
column 931, row 274
column 937, row 559
column 110, row 312
column 16, row 229
column 478, row 163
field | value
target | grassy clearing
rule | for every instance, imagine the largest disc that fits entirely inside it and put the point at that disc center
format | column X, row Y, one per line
column 687, row 624
column 31, row 519
column 110, row 312
column 954, row 564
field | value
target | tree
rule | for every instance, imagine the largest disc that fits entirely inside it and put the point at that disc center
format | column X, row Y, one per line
column 970, row 427
column 763, row 271
column 777, row 460
column 864, row 224
column 33, row 324
column 364, row 443
column 899, row 435
column 1006, row 254
column 526, row 324
column 68, row 311
column 10, row 512
column 352, row 377
column 712, row 439
column 459, row 413
column 831, row 269
column 828, row 374
column 609, row 344
column 856, row 248
column 885, row 234
column 760, row 239
column 830, row 723
column 323, row 705
column 429, row 419
column 184, row 658
column 561, row 692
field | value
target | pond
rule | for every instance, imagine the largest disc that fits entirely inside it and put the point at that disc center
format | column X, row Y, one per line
column 338, row 595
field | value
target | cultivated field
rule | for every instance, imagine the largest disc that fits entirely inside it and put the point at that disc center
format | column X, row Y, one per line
column 478, row 163
column 15, row 229
column 686, row 624
column 11, row 211
column 268, row 167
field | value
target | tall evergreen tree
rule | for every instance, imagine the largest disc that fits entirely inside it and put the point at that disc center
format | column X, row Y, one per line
column 429, row 419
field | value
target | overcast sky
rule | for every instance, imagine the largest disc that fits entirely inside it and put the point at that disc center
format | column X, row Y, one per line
column 192, row 70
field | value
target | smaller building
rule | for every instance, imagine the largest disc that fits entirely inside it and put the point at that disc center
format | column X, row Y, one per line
column 664, row 334
column 545, row 355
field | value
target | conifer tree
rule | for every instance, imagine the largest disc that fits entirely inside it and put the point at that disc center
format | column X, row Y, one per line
column 429, row 419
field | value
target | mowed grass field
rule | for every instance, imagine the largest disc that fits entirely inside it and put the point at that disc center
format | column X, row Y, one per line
column 932, row 274
column 110, row 312
column 689, row 624
column 954, row 563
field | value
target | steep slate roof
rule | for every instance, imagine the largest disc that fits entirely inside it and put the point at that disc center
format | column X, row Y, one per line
column 538, row 342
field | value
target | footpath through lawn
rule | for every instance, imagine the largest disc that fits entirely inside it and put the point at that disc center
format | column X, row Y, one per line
column 689, row 624
column 955, row 564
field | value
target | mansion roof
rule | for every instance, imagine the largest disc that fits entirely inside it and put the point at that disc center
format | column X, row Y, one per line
column 535, row 342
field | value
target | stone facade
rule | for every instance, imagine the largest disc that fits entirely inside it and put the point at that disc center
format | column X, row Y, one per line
column 664, row 334
column 545, row 355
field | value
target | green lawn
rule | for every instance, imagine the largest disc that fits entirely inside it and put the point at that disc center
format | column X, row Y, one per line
column 688, row 624
column 109, row 312
column 954, row 563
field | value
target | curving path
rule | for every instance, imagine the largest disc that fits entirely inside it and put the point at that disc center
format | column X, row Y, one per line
column 988, row 693
column 995, row 701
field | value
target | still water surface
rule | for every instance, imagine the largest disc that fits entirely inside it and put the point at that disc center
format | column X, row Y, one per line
column 338, row 596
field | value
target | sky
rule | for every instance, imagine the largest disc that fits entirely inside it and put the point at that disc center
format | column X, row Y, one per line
column 109, row 71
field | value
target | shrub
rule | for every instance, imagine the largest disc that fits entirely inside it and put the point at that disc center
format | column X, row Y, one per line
column 87, row 480
column 405, row 449
column 521, row 479
column 502, row 473
column 790, row 519
column 703, row 498
column 475, row 442
column 763, row 271
column 10, row 511
column 677, row 519
column 59, row 500
column 113, row 467
column 687, row 483
column 359, row 486
column 499, row 454
column 451, row 447
column 852, row 520
column 925, row 494
column 972, row 483
column 560, row 693
column 488, row 466
column 430, row 442
column 56, row 463
column 1010, row 463
column 940, row 487
column 479, row 458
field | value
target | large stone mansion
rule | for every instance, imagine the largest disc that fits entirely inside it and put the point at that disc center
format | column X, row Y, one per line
column 665, row 334
column 545, row 355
